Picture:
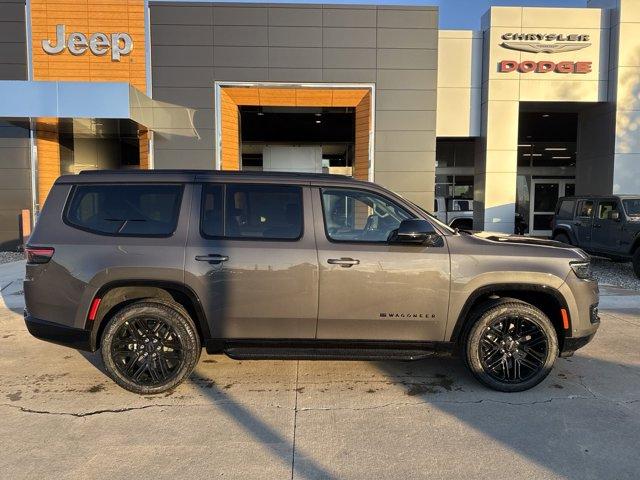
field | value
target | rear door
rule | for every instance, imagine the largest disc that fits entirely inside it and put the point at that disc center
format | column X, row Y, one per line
column 370, row 290
column 251, row 257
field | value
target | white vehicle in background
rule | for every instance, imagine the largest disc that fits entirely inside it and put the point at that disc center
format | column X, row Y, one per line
column 455, row 212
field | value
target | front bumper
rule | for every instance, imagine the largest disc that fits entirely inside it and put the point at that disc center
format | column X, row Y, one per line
column 571, row 344
column 60, row 334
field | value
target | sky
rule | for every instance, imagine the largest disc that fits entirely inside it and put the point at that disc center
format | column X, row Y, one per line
column 454, row 14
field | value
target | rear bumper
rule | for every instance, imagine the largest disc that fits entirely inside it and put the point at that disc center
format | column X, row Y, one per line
column 55, row 333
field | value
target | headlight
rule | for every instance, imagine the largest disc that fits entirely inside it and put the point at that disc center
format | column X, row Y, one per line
column 581, row 268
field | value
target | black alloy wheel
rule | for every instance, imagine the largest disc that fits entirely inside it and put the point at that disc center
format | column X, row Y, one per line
column 147, row 351
column 513, row 350
column 150, row 346
column 510, row 345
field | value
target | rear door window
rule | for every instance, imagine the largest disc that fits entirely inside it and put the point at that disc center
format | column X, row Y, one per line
column 257, row 212
column 605, row 209
column 566, row 209
column 126, row 210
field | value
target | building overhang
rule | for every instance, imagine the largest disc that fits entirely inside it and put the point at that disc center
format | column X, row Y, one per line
column 75, row 100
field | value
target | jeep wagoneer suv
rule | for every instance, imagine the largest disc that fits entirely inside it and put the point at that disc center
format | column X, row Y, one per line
column 149, row 266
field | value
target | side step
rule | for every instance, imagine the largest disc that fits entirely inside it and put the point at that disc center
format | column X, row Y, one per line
column 331, row 353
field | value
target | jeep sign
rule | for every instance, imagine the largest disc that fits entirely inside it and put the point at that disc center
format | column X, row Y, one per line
column 98, row 43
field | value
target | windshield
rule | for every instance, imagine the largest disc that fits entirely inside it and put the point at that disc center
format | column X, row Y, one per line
column 632, row 207
column 433, row 218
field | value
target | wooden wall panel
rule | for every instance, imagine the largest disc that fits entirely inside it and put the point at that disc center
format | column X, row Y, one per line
column 87, row 17
column 48, row 155
column 363, row 129
column 229, row 117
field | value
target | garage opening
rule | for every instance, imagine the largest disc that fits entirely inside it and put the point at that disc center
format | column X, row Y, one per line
column 302, row 129
column 303, row 139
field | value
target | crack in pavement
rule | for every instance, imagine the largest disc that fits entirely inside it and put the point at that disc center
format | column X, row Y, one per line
column 86, row 414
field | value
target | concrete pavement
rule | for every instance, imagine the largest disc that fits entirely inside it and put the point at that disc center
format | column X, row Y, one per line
column 61, row 417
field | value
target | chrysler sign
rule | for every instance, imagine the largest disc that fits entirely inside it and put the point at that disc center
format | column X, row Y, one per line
column 98, row 43
column 545, row 42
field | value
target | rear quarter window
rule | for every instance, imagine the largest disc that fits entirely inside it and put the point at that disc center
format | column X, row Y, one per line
column 125, row 210
column 566, row 209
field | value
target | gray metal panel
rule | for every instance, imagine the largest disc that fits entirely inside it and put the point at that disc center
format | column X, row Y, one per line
column 182, row 56
column 240, row 74
column 240, row 57
column 295, row 36
column 192, row 97
column 364, row 75
column 349, row 58
column 203, row 159
column 12, row 30
column 407, row 38
column 412, row 58
column 349, row 37
column 240, row 35
column 12, row 52
column 295, row 74
column 408, row 18
column 285, row 16
column 181, row 35
column 405, row 100
column 401, row 79
column 295, row 57
column 343, row 17
column 182, row 76
column 406, row 120
column 181, row 15
column 239, row 15
column 13, row 46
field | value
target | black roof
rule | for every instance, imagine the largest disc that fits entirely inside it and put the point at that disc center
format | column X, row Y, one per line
column 622, row 196
column 176, row 175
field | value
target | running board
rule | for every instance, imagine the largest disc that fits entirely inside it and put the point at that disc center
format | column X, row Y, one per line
column 304, row 353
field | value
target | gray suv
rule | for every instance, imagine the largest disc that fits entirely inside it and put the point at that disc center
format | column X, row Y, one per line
column 149, row 266
column 606, row 226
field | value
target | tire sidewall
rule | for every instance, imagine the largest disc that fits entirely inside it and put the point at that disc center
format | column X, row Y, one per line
column 563, row 237
column 636, row 263
column 472, row 344
column 182, row 325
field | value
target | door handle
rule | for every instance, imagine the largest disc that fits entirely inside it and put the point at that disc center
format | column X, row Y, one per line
column 578, row 224
column 597, row 225
column 343, row 262
column 212, row 258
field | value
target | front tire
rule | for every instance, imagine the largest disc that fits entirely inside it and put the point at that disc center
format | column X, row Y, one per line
column 511, row 347
column 150, row 347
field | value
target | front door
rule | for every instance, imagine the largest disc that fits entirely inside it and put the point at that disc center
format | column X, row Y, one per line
column 606, row 232
column 251, row 257
column 369, row 289
column 544, row 198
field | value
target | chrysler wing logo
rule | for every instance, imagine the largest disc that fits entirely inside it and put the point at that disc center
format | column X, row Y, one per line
column 536, row 47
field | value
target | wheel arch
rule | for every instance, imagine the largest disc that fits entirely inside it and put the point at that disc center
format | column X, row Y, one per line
column 114, row 295
column 548, row 299
column 567, row 231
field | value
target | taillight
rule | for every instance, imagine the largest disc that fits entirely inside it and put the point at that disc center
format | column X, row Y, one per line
column 38, row 254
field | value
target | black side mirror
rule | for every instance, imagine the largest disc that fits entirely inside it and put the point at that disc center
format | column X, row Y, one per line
column 417, row 232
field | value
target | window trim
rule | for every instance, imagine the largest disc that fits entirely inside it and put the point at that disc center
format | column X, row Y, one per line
column 224, row 236
column 74, row 189
column 360, row 242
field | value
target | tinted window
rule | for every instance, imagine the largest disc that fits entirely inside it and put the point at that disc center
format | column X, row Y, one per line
column 212, row 222
column 566, row 209
column 605, row 209
column 126, row 209
column 263, row 211
column 632, row 207
column 585, row 209
column 356, row 215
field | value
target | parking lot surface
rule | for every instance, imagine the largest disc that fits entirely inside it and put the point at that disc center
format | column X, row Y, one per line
column 61, row 417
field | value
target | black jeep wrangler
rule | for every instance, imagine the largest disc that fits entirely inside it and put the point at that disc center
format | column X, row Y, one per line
column 606, row 226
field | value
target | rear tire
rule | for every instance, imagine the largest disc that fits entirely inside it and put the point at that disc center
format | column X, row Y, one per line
column 562, row 237
column 150, row 347
column 511, row 346
column 636, row 263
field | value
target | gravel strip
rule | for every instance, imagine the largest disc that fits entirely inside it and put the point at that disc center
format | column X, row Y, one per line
column 7, row 257
column 615, row 274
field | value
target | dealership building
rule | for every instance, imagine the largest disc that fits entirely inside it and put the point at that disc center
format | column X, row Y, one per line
column 538, row 103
